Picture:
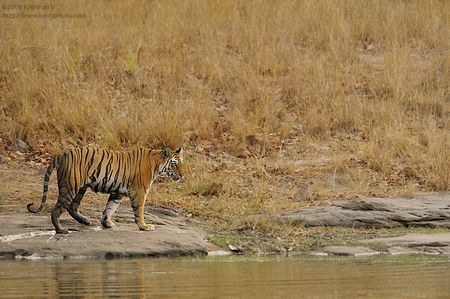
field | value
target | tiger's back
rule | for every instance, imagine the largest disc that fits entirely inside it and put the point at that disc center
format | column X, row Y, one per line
column 106, row 171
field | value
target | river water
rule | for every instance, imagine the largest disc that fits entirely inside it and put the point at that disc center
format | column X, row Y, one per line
column 230, row 277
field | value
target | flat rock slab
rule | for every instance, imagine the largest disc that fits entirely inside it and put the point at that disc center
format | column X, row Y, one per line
column 33, row 236
column 438, row 243
column 432, row 211
column 349, row 251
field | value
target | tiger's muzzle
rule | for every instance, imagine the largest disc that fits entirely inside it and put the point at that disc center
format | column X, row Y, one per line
column 176, row 177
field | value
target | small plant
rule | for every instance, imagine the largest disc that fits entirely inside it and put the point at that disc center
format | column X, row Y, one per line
column 224, row 240
column 131, row 61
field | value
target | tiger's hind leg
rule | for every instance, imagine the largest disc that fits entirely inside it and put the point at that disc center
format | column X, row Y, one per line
column 73, row 207
column 56, row 213
column 63, row 203
column 113, row 202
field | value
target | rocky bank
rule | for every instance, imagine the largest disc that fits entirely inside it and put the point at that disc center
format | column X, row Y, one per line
column 427, row 211
column 32, row 236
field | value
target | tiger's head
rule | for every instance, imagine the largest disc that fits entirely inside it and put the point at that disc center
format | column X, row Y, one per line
column 173, row 164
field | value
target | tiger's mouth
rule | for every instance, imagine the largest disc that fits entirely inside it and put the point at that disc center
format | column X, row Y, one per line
column 176, row 178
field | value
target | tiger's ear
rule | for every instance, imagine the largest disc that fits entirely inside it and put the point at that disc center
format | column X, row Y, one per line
column 165, row 152
column 179, row 151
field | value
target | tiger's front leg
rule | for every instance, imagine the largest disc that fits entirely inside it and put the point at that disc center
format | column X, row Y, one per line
column 111, row 207
column 137, row 203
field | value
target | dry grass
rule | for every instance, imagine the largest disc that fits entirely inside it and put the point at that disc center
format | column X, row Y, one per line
column 350, row 95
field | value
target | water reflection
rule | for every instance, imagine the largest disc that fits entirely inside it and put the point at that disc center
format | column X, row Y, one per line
column 403, row 277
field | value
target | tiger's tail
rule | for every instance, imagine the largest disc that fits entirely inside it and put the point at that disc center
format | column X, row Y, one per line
column 50, row 168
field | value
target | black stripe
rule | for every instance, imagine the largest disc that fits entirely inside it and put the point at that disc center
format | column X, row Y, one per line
column 121, row 171
column 63, row 169
column 61, row 165
column 103, row 184
column 111, row 188
column 108, row 166
column 87, row 153
column 99, row 167
column 68, row 167
column 81, row 162
column 96, row 188
column 129, row 168
column 107, row 171
column 136, row 172
column 116, row 177
column 140, row 156
column 124, row 170
column 50, row 169
column 111, row 166
column 116, row 171
column 75, row 170
column 83, row 166
column 92, row 159
column 138, row 167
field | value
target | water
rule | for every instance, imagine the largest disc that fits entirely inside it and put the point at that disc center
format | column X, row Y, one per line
column 231, row 277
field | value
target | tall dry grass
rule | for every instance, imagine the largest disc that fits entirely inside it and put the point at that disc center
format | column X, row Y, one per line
column 153, row 72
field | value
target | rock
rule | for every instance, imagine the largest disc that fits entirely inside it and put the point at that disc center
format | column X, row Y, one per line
column 235, row 249
column 21, row 146
column 431, row 211
column 396, row 250
column 256, row 147
column 410, row 173
column 220, row 167
column 349, row 251
column 244, row 155
column 33, row 236
column 303, row 193
column 193, row 137
column 248, row 194
column 251, row 140
column 2, row 160
column 213, row 190
column 267, row 147
column 219, row 252
column 437, row 243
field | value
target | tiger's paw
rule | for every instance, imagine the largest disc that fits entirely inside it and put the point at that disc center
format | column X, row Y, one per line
column 107, row 223
column 146, row 227
column 86, row 222
column 63, row 231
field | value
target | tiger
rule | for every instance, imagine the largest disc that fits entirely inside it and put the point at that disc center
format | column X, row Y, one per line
column 117, row 173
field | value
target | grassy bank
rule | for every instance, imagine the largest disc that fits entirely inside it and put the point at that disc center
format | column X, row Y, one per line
column 335, row 99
